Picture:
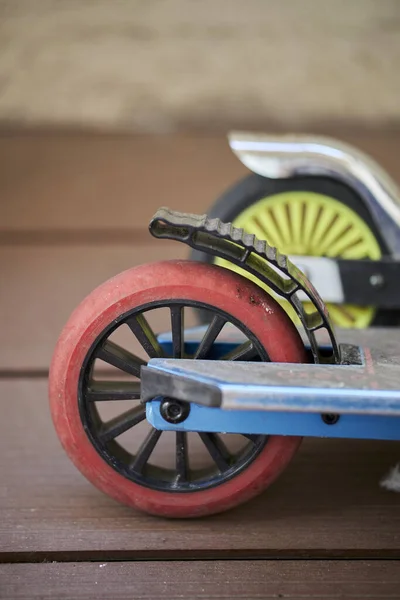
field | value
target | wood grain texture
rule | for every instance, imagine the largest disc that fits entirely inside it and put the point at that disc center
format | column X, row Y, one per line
column 52, row 182
column 95, row 181
column 74, row 211
column 327, row 504
column 43, row 286
column 248, row 580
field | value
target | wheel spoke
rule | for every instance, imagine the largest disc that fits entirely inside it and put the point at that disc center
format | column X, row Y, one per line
column 111, row 391
column 217, row 449
column 182, row 458
column 120, row 358
column 246, row 351
column 122, row 423
column 142, row 330
column 209, row 337
column 177, row 324
column 262, row 230
column 145, row 450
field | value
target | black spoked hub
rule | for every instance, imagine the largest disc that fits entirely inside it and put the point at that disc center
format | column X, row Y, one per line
column 115, row 390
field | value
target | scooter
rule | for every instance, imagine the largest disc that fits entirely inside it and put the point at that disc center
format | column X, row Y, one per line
column 200, row 419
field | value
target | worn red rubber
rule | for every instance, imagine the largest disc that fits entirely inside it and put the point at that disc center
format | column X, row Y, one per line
column 186, row 280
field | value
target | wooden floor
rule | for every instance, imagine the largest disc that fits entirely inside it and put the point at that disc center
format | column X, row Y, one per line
column 74, row 211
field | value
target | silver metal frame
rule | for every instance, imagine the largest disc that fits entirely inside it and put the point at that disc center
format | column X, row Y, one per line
column 369, row 386
column 286, row 156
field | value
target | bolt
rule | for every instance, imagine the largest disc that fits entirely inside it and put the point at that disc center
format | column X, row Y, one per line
column 174, row 411
column 377, row 281
column 330, row 418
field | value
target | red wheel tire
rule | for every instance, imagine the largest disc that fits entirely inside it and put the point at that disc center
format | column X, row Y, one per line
column 213, row 285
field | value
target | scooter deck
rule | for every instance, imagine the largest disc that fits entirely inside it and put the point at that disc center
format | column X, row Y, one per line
column 339, row 401
column 372, row 387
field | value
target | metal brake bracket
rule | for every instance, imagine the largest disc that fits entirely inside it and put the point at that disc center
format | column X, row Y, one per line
column 286, row 156
column 256, row 257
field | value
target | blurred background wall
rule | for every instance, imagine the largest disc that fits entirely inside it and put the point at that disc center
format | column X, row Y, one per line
column 165, row 65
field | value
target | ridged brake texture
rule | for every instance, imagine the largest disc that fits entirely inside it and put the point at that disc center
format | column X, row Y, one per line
column 259, row 259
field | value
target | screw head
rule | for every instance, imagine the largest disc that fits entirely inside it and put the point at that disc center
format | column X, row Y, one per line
column 377, row 281
column 174, row 411
column 330, row 418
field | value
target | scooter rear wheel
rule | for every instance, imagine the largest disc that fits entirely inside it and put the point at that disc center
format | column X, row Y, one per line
column 95, row 369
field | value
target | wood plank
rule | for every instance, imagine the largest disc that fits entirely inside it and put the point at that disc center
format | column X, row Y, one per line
column 249, row 580
column 327, row 504
column 65, row 181
column 92, row 181
column 41, row 288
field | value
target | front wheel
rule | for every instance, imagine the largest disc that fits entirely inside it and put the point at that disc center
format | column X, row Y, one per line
column 94, row 388
column 307, row 216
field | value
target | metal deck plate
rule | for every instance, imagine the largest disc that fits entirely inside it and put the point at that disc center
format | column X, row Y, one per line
column 372, row 388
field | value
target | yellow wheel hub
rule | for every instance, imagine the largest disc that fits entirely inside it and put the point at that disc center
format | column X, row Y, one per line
column 310, row 224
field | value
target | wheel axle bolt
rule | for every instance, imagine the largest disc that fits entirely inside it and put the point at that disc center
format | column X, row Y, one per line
column 174, row 411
